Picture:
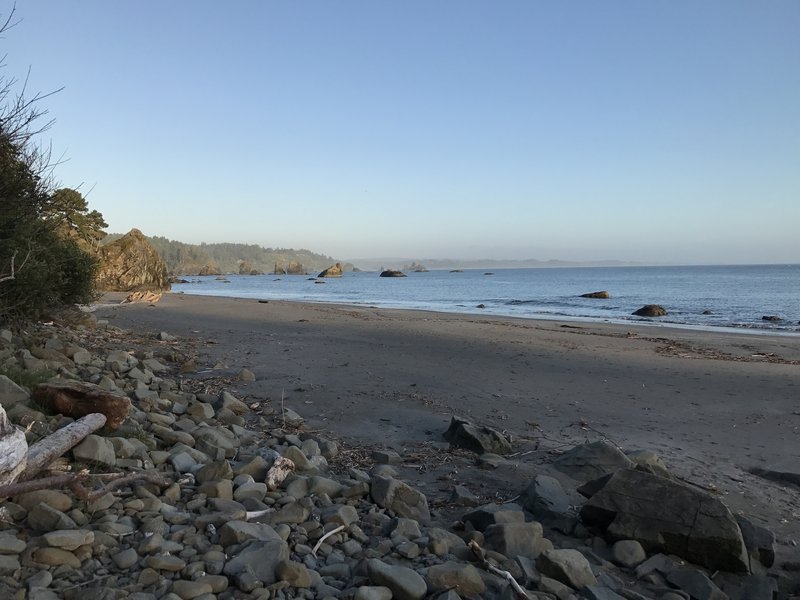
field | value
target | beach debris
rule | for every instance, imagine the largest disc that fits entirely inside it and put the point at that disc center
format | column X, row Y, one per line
column 478, row 438
column 278, row 472
column 80, row 398
column 651, row 310
column 599, row 295
column 151, row 297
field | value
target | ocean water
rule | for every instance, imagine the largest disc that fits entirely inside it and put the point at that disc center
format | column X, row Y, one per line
column 736, row 296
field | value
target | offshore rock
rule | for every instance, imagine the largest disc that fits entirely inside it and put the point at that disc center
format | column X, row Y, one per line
column 332, row 271
column 651, row 310
column 392, row 273
column 131, row 264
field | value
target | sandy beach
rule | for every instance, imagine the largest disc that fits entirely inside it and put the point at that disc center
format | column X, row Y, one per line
column 712, row 404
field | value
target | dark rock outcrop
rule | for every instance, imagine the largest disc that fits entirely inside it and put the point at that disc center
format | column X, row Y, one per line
column 773, row 318
column 131, row 264
column 666, row 516
column 601, row 295
column 589, row 461
column 651, row 310
column 478, row 438
column 332, row 271
column 392, row 273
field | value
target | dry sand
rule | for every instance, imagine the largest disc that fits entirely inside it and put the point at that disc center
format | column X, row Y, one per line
column 712, row 404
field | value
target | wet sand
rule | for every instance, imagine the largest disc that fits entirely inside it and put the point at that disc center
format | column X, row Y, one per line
column 712, row 404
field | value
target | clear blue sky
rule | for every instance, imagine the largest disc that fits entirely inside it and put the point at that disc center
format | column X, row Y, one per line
column 652, row 131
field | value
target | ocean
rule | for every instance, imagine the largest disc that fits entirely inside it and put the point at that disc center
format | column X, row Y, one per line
column 707, row 297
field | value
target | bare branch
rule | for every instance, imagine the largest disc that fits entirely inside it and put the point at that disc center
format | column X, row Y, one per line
column 14, row 271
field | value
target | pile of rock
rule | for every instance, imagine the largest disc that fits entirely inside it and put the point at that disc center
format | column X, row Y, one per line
column 218, row 530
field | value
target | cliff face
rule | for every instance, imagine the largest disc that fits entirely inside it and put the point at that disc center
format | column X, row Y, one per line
column 131, row 264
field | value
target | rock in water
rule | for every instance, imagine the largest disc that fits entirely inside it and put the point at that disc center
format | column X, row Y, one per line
column 392, row 273
column 332, row 271
column 651, row 310
column 601, row 295
column 666, row 516
column 131, row 264
column 477, row 438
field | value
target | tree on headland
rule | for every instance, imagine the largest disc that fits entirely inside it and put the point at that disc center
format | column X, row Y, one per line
column 42, row 262
column 69, row 213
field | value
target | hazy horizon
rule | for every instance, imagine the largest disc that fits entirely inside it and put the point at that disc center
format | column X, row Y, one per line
column 641, row 132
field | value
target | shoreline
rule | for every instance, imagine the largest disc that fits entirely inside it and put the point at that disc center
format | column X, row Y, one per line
column 713, row 405
column 654, row 323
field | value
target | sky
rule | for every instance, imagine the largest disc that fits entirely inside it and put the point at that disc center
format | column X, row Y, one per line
column 579, row 130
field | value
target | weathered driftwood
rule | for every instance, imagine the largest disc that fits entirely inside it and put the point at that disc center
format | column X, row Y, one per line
column 279, row 471
column 150, row 297
column 46, row 450
column 477, row 551
column 13, row 450
column 75, row 481
column 79, row 398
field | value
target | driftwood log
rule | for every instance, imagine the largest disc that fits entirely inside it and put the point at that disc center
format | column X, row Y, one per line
column 46, row 450
column 150, row 297
column 13, row 450
column 79, row 398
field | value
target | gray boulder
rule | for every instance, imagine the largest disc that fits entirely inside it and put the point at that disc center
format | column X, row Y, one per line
column 696, row 584
column 590, row 461
column 259, row 557
column 478, row 438
column 759, row 541
column 666, row 516
column 405, row 583
column 515, row 539
column 567, row 566
column 490, row 514
column 400, row 498
column 547, row 501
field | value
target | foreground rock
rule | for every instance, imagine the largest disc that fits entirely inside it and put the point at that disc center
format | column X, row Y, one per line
column 131, row 264
column 478, row 438
column 666, row 516
column 216, row 523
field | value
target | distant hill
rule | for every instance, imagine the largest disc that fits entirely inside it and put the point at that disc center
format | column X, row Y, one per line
column 209, row 259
